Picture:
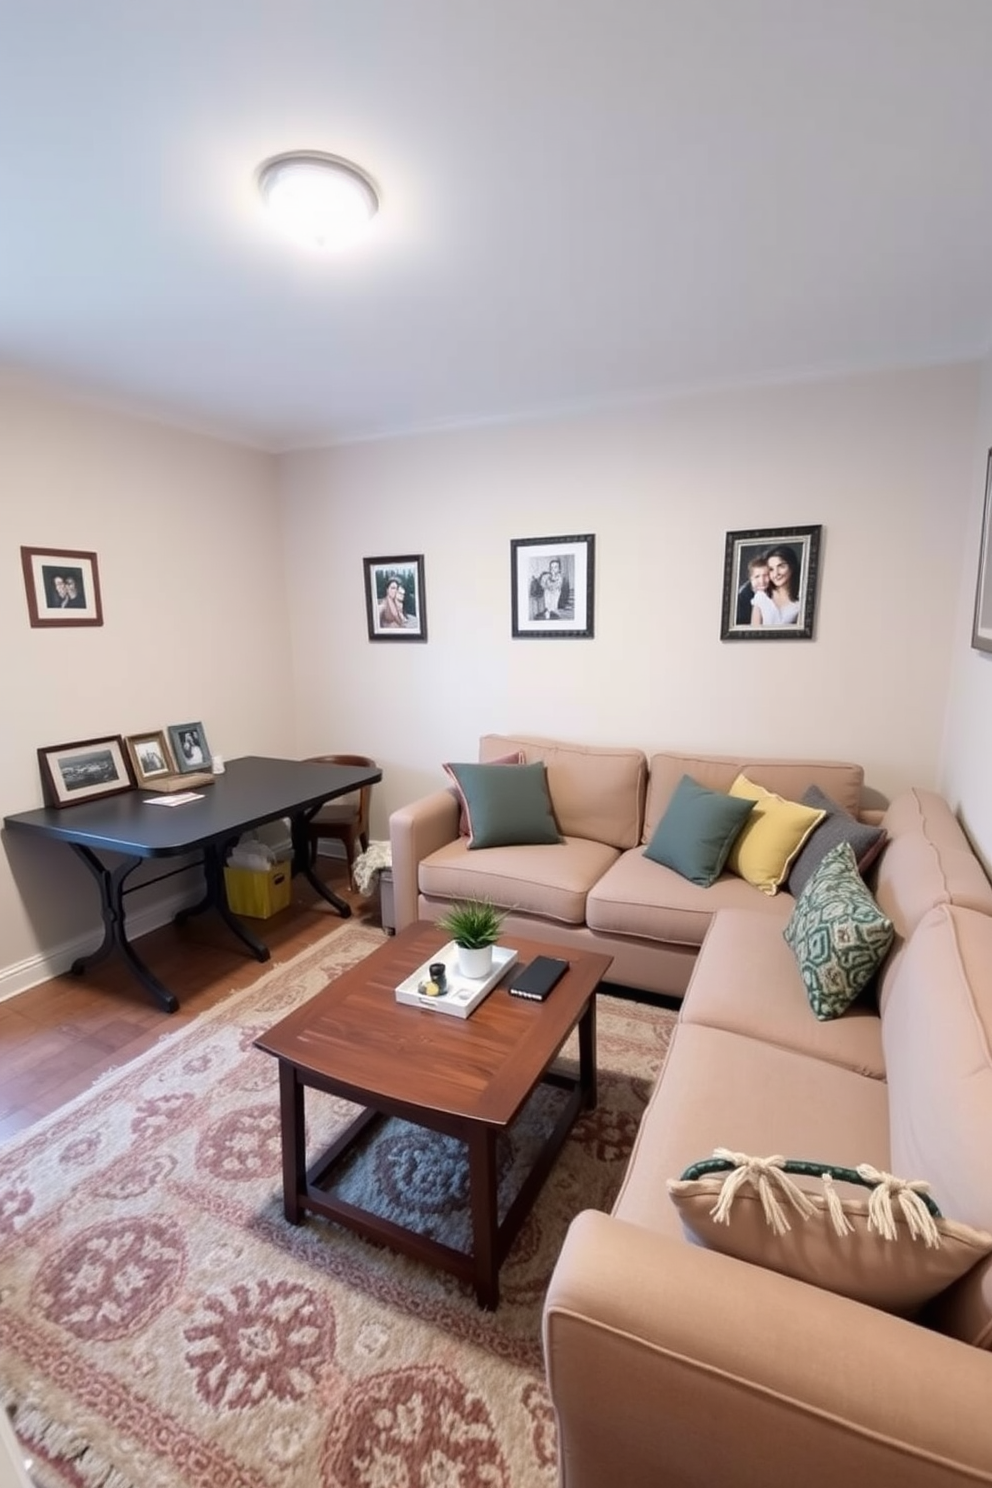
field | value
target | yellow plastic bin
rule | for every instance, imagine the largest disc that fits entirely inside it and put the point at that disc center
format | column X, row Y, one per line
column 258, row 895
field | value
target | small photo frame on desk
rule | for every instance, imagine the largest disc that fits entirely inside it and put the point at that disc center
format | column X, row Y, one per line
column 190, row 749
column 150, row 757
column 84, row 771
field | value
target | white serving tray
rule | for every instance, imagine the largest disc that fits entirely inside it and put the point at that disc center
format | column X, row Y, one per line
column 464, row 993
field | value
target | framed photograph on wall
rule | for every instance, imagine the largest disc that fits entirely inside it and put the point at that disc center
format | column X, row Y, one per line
column 981, row 630
column 551, row 587
column 395, row 601
column 84, row 771
column 62, row 586
column 769, row 584
column 190, row 749
column 150, row 757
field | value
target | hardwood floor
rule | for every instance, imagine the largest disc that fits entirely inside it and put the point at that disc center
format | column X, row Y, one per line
column 56, row 1038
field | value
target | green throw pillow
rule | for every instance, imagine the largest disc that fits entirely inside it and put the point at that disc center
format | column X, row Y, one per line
column 837, row 826
column 697, row 831
column 838, row 934
column 507, row 807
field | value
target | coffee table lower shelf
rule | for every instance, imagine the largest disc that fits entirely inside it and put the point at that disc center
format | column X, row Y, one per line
column 309, row 1189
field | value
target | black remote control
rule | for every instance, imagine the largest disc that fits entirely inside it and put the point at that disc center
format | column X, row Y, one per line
column 536, row 980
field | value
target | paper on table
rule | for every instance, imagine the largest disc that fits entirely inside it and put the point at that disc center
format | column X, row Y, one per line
column 177, row 800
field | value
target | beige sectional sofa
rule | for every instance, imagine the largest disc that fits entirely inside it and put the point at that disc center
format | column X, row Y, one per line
column 597, row 890
column 672, row 1364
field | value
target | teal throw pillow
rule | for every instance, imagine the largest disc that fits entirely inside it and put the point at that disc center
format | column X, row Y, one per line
column 697, row 831
column 837, row 826
column 509, row 806
column 838, row 934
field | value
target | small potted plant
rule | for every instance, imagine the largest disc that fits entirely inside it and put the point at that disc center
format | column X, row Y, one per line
column 474, row 926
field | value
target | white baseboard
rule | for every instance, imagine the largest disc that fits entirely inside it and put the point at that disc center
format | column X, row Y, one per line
column 58, row 959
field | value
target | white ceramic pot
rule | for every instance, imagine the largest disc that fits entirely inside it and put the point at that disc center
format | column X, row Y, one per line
column 476, row 963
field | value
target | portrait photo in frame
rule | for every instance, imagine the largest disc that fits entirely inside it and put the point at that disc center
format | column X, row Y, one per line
column 551, row 587
column 981, row 630
column 150, row 757
column 84, row 770
column 62, row 586
column 395, row 602
column 769, row 584
column 190, row 749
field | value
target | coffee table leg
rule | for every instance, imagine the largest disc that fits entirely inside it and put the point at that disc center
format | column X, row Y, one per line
column 482, row 1185
column 587, row 1054
column 294, row 1164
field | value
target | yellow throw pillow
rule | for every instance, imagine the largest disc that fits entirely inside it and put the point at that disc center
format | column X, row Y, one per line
column 771, row 837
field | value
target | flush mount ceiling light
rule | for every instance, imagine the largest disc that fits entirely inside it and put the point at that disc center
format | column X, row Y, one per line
column 318, row 199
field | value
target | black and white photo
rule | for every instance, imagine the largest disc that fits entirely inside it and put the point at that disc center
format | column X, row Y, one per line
column 84, row 770
column 189, row 747
column 981, row 633
column 149, row 755
column 551, row 586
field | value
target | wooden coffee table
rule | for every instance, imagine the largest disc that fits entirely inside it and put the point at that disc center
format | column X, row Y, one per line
column 468, row 1078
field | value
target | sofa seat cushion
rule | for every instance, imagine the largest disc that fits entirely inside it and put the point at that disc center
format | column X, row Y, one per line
column 746, row 981
column 639, row 897
column 720, row 1089
column 787, row 778
column 937, row 1036
column 596, row 792
column 552, row 881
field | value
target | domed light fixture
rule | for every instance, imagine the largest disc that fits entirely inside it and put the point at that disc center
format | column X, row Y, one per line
column 319, row 199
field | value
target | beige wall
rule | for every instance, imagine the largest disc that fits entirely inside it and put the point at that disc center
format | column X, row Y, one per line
column 966, row 766
column 189, row 544
column 883, row 462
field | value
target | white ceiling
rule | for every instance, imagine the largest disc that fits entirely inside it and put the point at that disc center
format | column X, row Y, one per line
column 582, row 201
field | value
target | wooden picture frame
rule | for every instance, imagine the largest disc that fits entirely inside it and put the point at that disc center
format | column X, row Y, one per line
column 62, row 587
column 190, row 749
column 552, row 585
column 86, row 770
column 981, row 628
column 755, row 606
column 395, row 598
column 150, row 757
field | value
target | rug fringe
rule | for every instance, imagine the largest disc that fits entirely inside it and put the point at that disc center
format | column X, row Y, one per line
column 62, row 1444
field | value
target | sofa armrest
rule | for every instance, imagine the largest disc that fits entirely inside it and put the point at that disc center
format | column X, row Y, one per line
column 668, row 1363
column 415, row 831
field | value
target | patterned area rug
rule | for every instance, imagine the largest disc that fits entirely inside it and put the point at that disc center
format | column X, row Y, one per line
column 162, row 1326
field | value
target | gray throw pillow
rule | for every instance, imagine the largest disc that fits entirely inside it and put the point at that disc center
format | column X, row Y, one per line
column 697, row 831
column 836, row 827
column 507, row 807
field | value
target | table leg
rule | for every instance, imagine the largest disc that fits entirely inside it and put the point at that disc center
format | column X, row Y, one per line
column 294, row 1163
column 587, row 1055
column 111, row 885
column 302, row 864
column 485, row 1215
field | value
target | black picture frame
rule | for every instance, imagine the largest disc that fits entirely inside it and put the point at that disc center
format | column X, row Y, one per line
column 84, row 770
column 981, row 628
column 396, row 598
column 751, row 613
column 552, row 587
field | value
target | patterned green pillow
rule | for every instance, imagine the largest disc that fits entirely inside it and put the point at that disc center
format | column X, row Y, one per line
column 838, row 934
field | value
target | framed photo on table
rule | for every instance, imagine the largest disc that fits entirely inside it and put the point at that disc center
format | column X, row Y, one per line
column 395, row 603
column 150, row 757
column 551, row 587
column 190, row 749
column 769, row 584
column 62, row 586
column 84, row 771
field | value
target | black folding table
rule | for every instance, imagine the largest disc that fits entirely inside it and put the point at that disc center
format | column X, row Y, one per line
column 251, row 791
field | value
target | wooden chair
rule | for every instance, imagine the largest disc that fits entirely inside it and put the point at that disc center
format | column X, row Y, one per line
column 345, row 819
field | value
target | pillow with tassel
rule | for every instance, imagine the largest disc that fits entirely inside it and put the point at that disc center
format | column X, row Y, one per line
column 890, row 1247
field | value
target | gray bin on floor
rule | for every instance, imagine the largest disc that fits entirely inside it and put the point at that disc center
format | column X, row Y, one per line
column 386, row 912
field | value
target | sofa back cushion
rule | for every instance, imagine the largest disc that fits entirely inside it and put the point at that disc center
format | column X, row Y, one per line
column 787, row 778
column 926, row 861
column 596, row 792
column 937, row 1038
